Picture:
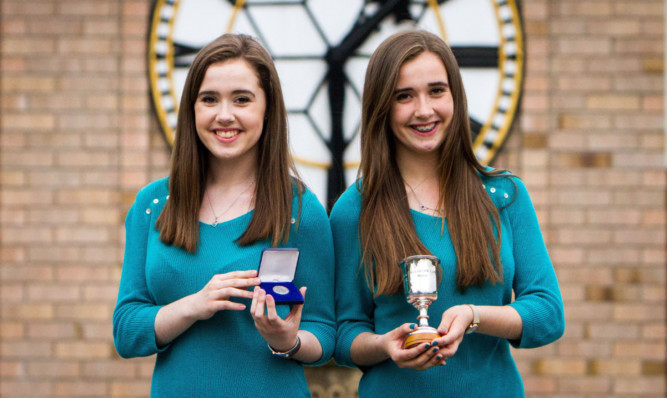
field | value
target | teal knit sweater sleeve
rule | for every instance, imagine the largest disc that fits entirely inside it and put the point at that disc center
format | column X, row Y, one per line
column 354, row 301
column 316, row 271
column 134, row 316
column 537, row 295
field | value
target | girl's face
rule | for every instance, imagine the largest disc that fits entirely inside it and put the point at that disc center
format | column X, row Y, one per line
column 229, row 110
column 422, row 105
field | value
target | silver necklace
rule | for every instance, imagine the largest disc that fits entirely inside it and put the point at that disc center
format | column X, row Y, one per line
column 208, row 197
column 423, row 208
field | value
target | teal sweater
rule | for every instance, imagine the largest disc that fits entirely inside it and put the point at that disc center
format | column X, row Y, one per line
column 483, row 365
column 223, row 356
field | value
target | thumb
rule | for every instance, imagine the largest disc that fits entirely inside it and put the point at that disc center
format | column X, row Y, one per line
column 406, row 328
column 298, row 309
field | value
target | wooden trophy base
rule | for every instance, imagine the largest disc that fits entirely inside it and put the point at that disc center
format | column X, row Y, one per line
column 423, row 334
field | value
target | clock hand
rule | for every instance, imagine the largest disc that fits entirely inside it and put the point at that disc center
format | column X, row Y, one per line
column 364, row 27
column 184, row 54
column 475, row 57
column 336, row 58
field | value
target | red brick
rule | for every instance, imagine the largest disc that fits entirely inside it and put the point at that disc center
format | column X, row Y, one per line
column 643, row 385
column 34, row 47
column 53, row 140
column 83, row 311
column 588, row 122
column 589, row 384
column 638, row 8
column 51, row 217
column 114, row 370
column 644, row 350
column 11, row 254
column 25, row 349
column 590, row 312
column 585, row 348
column 560, row 367
column 28, row 122
column 18, row 235
column 22, row 389
column 53, row 293
column 97, row 330
column 100, row 27
column 53, row 331
column 11, row 370
column 82, row 350
column 610, row 102
column 588, row 8
column 584, row 46
column 54, row 369
column 540, row 385
column 101, row 178
column 87, row 8
column 80, row 389
column 11, row 330
column 638, row 122
column 130, row 389
column 614, row 65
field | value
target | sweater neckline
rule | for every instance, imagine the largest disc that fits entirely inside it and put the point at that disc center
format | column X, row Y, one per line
column 428, row 216
column 228, row 223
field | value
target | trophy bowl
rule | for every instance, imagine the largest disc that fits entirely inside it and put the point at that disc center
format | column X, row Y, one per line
column 420, row 278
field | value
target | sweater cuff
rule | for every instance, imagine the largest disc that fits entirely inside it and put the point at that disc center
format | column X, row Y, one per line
column 326, row 335
column 346, row 335
column 137, row 338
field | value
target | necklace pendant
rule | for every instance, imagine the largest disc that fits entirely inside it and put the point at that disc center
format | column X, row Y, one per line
column 215, row 222
column 422, row 207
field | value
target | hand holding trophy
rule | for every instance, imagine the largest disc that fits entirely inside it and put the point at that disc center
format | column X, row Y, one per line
column 421, row 289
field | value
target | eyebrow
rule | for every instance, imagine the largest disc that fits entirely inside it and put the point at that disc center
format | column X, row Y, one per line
column 235, row 92
column 433, row 84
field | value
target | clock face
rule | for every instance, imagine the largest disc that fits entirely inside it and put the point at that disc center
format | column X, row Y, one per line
column 321, row 49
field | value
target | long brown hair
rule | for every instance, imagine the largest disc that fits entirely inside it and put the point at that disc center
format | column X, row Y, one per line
column 471, row 215
column 179, row 221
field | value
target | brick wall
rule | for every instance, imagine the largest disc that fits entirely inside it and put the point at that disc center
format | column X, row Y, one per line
column 78, row 139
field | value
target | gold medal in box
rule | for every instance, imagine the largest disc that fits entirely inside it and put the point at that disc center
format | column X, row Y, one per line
column 276, row 273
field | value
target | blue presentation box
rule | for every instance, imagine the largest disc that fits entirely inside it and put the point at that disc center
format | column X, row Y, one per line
column 276, row 273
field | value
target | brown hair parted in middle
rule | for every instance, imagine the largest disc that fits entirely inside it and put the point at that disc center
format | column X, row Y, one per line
column 179, row 221
column 471, row 215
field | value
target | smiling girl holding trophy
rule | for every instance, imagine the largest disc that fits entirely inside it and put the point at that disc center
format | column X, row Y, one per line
column 422, row 192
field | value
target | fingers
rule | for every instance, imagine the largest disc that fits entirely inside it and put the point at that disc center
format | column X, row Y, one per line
column 271, row 313
column 253, row 304
column 259, row 301
column 402, row 331
column 229, row 305
column 228, row 292
column 215, row 296
column 246, row 274
column 427, row 355
column 448, row 350
column 221, row 281
column 410, row 354
column 263, row 306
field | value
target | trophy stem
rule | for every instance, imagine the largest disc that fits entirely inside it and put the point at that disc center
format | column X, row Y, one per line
column 423, row 314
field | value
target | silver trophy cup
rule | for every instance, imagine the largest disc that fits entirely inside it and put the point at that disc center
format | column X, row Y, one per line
column 420, row 277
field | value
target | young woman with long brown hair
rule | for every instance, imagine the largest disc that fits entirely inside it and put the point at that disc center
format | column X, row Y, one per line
column 422, row 191
column 194, row 242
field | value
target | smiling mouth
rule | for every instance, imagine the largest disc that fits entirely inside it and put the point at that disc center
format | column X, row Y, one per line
column 226, row 134
column 424, row 128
